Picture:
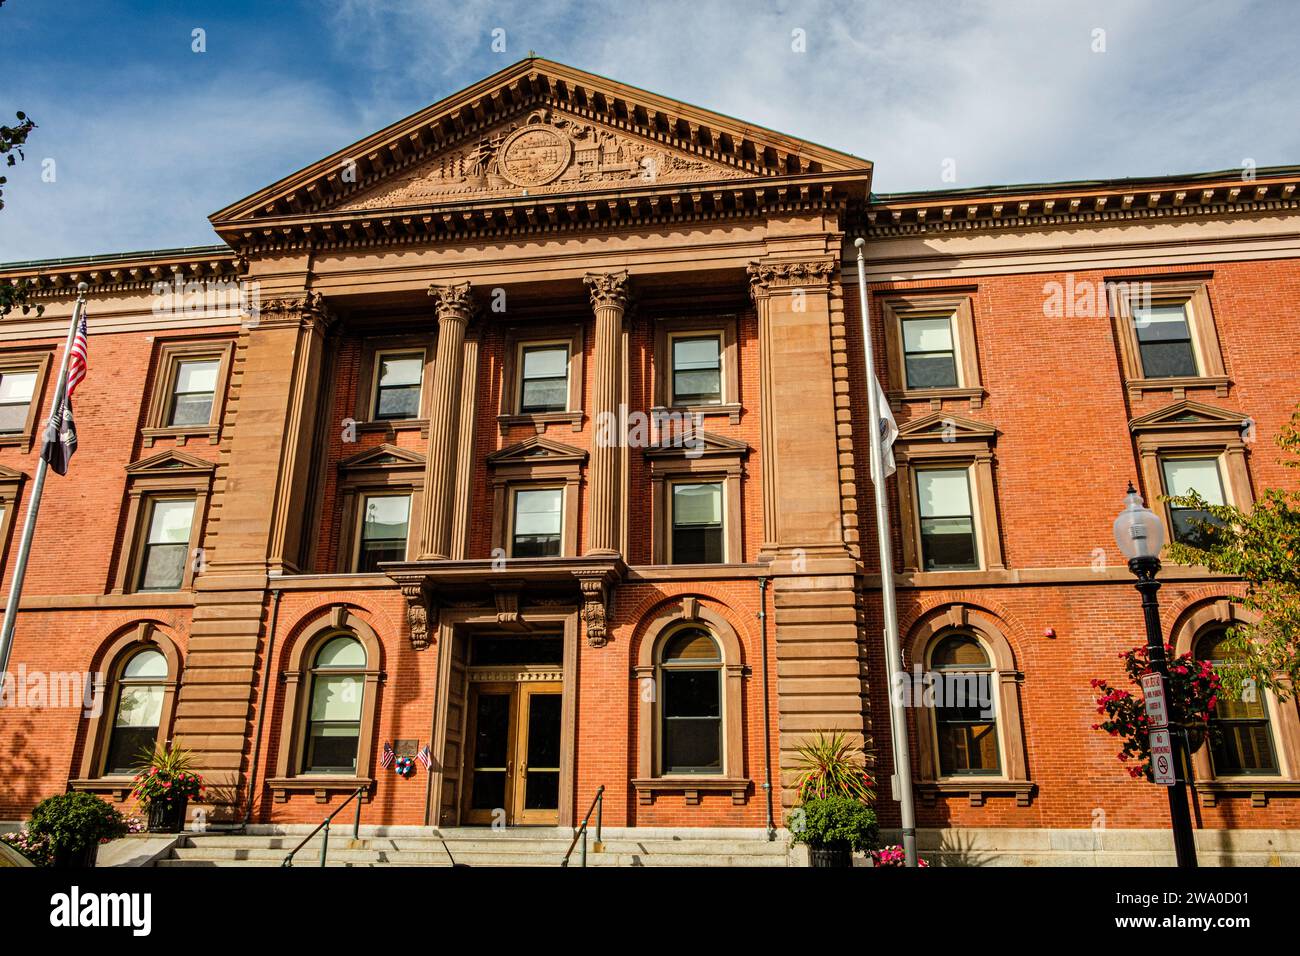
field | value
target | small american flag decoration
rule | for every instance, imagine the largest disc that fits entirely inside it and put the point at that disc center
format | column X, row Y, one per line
column 424, row 756
column 388, row 757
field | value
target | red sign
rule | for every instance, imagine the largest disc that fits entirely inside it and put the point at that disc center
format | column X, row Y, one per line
column 1153, row 696
column 1162, row 758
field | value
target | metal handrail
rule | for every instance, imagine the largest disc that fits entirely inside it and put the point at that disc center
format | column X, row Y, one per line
column 325, row 824
column 598, row 805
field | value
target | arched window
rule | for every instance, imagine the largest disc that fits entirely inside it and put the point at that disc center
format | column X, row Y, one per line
column 965, row 711
column 334, row 715
column 1243, row 743
column 137, row 711
column 690, row 681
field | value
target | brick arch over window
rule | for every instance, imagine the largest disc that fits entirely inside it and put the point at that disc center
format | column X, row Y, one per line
column 670, row 618
column 107, row 665
column 1192, row 624
column 312, row 636
column 1014, row 777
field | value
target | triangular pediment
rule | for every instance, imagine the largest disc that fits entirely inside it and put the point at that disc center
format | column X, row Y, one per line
column 945, row 427
column 383, row 456
column 696, row 444
column 170, row 462
column 546, row 151
column 538, row 127
column 1188, row 415
column 537, row 449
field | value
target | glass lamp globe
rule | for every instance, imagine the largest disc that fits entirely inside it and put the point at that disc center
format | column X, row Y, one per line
column 1139, row 532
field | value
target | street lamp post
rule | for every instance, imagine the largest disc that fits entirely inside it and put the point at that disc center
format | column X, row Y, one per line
column 1140, row 535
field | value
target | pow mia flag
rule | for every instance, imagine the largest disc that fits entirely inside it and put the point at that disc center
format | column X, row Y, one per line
column 60, row 440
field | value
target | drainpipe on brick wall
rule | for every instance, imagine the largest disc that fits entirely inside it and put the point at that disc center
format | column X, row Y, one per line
column 767, row 713
column 262, row 703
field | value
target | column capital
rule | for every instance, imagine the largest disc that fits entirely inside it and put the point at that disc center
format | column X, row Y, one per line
column 609, row 288
column 454, row 300
column 765, row 278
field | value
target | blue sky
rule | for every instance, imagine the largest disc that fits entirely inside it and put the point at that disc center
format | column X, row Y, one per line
column 148, row 137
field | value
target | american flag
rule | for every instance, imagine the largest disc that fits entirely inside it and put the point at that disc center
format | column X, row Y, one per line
column 61, row 435
column 425, row 757
column 77, row 362
column 389, row 756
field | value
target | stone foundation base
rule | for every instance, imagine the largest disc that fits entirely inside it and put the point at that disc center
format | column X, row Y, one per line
column 1032, row 847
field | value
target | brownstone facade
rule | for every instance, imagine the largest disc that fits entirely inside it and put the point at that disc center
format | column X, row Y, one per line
column 408, row 445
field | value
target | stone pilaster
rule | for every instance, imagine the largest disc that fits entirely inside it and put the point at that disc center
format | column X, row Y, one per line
column 455, row 307
column 609, row 300
column 254, row 526
column 820, row 677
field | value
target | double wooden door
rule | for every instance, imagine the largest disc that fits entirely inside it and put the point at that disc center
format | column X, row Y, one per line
column 513, row 753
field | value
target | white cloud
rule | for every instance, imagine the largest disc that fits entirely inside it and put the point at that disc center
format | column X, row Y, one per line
column 1011, row 91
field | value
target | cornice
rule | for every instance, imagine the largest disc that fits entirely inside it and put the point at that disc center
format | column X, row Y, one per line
column 124, row 274
column 550, row 213
column 1103, row 204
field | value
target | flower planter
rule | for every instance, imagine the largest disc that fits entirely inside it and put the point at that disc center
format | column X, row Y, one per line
column 167, row 816
column 75, row 859
column 836, row 856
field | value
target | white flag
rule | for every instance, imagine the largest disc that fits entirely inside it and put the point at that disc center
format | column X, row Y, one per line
column 888, row 429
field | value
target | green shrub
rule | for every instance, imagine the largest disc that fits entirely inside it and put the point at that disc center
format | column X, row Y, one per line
column 835, row 821
column 830, row 766
column 74, row 821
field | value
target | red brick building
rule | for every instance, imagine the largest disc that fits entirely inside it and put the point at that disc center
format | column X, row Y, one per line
column 531, row 430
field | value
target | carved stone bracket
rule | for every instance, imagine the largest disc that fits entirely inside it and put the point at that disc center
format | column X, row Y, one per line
column 506, row 595
column 421, row 613
column 766, row 278
column 597, row 605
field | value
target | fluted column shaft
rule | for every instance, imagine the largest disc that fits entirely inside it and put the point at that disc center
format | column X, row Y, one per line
column 609, row 299
column 454, row 309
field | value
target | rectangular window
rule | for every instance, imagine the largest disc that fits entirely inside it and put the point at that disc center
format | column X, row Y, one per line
column 16, row 389
column 1182, row 477
column 968, row 733
column 192, row 392
column 692, row 724
column 334, row 724
column 384, row 523
column 397, row 384
column 537, row 523
column 928, row 355
column 697, row 370
column 697, row 524
column 167, row 545
column 947, row 521
column 135, row 727
column 545, row 383
column 1164, row 341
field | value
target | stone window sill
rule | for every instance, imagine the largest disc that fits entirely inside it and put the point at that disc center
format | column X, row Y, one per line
column 936, row 396
column 978, row 789
column 181, row 434
column 1178, row 385
column 322, row 786
column 391, row 426
column 1259, row 789
column 692, row 787
column 119, row 787
column 539, row 420
column 731, row 409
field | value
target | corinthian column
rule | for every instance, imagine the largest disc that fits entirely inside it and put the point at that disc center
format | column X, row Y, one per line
column 609, row 299
column 454, row 308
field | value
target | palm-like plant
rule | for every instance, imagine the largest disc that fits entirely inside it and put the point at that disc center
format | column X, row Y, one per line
column 831, row 766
